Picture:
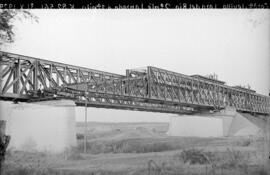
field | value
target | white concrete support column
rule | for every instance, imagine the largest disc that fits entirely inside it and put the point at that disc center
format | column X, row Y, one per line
column 227, row 122
column 197, row 126
column 41, row 126
column 5, row 110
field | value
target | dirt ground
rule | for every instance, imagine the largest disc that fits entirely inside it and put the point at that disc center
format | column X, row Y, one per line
column 143, row 148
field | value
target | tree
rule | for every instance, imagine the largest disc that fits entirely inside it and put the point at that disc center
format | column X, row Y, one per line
column 7, row 18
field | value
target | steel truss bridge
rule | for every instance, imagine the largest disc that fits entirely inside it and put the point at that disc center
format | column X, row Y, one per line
column 24, row 78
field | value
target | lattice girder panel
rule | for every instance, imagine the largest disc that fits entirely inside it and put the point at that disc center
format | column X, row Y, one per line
column 198, row 91
column 20, row 74
column 132, row 87
column 16, row 75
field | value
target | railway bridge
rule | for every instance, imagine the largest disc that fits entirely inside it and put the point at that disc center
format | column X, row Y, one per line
column 29, row 79
column 39, row 81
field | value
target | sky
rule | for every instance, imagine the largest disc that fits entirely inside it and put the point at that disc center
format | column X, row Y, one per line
column 234, row 44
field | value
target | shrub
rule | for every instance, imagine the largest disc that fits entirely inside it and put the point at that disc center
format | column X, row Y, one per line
column 138, row 146
column 195, row 156
column 79, row 136
column 262, row 172
column 244, row 143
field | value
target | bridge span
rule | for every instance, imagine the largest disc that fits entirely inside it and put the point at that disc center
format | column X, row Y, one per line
column 41, row 82
column 24, row 78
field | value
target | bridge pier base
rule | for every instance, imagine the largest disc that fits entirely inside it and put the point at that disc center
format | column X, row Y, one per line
column 42, row 126
column 195, row 126
column 227, row 122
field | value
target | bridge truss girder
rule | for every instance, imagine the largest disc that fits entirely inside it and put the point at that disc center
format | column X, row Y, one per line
column 152, row 89
column 21, row 74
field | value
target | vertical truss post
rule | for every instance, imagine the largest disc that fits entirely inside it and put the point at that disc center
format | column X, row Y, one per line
column 35, row 75
column 16, row 74
column 1, row 76
column 69, row 77
column 19, row 75
column 65, row 74
column 50, row 76
column 149, row 82
column 57, row 80
column 78, row 75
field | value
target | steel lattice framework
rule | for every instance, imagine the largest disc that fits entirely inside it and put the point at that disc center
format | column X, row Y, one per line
column 148, row 89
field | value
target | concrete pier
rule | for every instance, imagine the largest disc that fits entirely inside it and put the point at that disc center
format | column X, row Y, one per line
column 195, row 126
column 43, row 126
column 224, row 123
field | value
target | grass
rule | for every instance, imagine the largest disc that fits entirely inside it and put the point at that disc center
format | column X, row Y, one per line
column 187, row 161
column 115, row 153
column 140, row 145
column 128, row 146
column 24, row 163
column 235, row 159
